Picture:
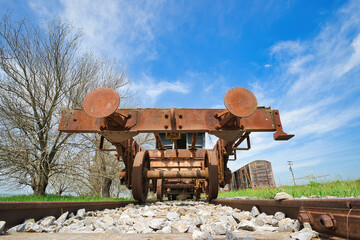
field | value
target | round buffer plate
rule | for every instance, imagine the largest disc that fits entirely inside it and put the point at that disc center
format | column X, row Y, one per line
column 101, row 102
column 240, row 101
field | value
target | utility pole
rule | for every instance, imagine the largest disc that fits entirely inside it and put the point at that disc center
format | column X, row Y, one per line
column 292, row 173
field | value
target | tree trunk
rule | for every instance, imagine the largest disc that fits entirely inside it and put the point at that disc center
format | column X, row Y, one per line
column 42, row 181
column 40, row 187
column 105, row 190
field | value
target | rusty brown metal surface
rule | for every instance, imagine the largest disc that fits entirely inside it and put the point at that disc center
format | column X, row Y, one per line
column 154, row 120
column 101, row 103
column 140, row 184
column 159, row 189
column 335, row 217
column 183, row 154
column 211, row 162
column 118, row 126
column 240, row 102
column 177, row 174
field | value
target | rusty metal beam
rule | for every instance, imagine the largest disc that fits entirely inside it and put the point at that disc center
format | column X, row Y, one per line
column 14, row 213
column 243, row 137
column 158, row 141
column 177, row 174
column 171, row 153
column 173, row 163
column 154, row 120
column 179, row 185
column 193, row 140
column 336, row 217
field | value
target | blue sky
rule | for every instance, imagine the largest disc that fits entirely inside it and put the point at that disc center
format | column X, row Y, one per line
column 301, row 57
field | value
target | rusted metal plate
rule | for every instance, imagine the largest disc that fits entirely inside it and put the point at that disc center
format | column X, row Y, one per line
column 182, row 153
column 164, row 174
column 240, row 101
column 74, row 121
column 336, row 217
column 174, row 163
column 153, row 120
column 101, row 102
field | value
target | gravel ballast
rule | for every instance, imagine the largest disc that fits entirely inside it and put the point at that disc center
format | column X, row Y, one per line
column 201, row 219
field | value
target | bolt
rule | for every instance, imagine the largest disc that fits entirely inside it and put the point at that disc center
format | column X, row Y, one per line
column 129, row 115
column 166, row 116
column 276, row 113
column 180, row 126
column 304, row 217
column 166, row 126
column 180, row 116
column 326, row 221
column 74, row 119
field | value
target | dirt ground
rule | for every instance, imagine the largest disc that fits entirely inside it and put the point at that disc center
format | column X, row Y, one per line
column 150, row 236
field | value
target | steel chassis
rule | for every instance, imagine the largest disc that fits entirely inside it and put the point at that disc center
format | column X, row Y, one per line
column 172, row 171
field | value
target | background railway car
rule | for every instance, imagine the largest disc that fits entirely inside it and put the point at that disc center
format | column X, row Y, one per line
column 256, row 174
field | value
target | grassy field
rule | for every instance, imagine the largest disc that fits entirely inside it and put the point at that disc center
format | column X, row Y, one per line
column 337, row 188
column 55, row 198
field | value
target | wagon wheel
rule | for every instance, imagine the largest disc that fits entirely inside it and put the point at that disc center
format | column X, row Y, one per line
column 139, row 182
column 132, row 150
column 159, row 189
column 220, row 157
column 212, row 188
column 197, row 189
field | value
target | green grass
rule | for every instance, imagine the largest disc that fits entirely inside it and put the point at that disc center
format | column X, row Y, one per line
column 337, row 188
column 56, row 198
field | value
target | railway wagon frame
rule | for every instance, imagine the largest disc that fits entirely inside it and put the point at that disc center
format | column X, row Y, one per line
column 195, row 169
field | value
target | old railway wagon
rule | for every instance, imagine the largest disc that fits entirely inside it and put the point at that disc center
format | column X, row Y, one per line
column 256, row 174
column 174, row 166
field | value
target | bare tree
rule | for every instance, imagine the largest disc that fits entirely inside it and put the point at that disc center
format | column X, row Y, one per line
column 97, row 172
column 42, row 71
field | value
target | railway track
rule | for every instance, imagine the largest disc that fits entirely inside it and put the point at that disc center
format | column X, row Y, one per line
column 330, row 217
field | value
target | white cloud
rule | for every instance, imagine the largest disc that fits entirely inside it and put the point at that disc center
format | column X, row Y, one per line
column 316, row 87
column 354, row 59
column 149, row 89
column 117, row 28
column 267, row 65
column 288, row 47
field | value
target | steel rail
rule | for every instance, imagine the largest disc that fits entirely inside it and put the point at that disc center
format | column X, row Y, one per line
column 329, row 217
column 14, row 213
column 334, row 217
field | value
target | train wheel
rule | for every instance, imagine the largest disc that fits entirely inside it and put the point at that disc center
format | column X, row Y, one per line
column 140, row 183
column 159, row 189
column 212, row 188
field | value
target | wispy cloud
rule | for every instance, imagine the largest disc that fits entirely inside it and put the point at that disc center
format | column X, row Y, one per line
column 319, row 76
column 115, row 28
column 150, row 89
column 316, row 86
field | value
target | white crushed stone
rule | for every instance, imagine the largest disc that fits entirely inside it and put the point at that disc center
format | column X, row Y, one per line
column 202, row 219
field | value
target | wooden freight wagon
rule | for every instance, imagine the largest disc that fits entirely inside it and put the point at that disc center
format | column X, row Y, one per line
column 256, row 174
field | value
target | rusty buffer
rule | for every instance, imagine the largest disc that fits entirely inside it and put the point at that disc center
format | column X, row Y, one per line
column 179, row 163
